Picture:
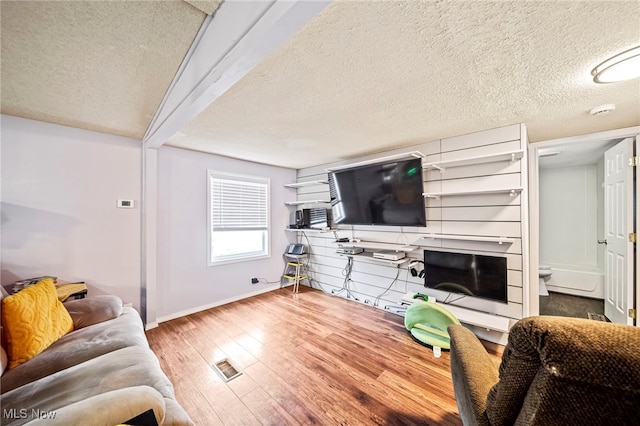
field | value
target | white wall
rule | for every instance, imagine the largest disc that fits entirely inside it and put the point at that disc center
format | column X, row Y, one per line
column 59, row 215
column 185, row 283
column 571, row 205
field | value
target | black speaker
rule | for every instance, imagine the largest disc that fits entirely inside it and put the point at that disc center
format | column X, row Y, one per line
column 303, row 218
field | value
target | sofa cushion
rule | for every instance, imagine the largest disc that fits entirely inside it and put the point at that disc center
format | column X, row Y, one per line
column 116, row 407
column 32, row 320
column 79, row 346
column 4, row 360
column 132, row 366
column 86, row 312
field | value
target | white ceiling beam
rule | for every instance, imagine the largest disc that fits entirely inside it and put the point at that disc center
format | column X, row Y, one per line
column 228, row 46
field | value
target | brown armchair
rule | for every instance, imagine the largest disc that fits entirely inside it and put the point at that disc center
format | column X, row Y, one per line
column 554, row 371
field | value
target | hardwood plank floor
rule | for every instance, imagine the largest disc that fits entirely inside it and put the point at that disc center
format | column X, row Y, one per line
column 306, row 359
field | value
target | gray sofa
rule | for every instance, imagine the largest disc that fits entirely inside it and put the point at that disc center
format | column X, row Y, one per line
column 102, row 373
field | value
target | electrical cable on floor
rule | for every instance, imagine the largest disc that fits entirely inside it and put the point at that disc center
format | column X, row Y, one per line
column 309, row 277
column 406, row 282
column 265, row 281
column 347, row 279
column 377, row 299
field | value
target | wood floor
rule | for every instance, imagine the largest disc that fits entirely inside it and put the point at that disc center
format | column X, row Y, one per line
column 306, row 359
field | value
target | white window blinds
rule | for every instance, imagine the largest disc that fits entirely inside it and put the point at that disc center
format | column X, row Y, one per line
column 238, row 204
column 238, row 217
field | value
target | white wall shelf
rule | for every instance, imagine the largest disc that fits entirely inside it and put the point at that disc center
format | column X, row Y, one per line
column 480, row 319
column 368, row 257
column 411, row 154
column 499, row 240
column 490, row 158
column 370, row 245
column 308, row 183
column 309, row 230
column 299, row 203
column 511, row 191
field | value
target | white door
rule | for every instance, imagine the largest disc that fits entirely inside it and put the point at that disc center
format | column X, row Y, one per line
column 618, row 215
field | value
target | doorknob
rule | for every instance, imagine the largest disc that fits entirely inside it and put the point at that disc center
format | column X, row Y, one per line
column 602, row 242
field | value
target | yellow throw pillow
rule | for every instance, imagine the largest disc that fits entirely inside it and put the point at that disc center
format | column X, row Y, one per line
column 32, row 320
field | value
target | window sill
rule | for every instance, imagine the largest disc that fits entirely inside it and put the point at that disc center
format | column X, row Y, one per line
column 238, row 260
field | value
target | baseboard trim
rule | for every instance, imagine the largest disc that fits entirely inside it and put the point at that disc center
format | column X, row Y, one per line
column 197, row 309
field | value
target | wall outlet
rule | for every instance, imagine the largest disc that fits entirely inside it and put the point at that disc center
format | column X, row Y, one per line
column 128, row 305
column 254, row 281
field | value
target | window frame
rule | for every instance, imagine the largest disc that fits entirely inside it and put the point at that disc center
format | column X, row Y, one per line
column 266, row 253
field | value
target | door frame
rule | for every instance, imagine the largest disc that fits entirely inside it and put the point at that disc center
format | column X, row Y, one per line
column 534, row 214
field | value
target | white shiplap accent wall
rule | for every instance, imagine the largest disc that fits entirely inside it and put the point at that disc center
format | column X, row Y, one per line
column 477, row 215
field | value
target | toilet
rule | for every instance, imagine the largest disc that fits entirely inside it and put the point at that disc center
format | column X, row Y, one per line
column 544, row 272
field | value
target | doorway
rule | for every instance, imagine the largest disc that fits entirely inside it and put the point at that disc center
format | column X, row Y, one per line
column 567, row 201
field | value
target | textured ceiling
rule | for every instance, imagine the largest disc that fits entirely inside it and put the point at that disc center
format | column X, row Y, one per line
column 361, row 77
column 369, row 76
column 98, row 65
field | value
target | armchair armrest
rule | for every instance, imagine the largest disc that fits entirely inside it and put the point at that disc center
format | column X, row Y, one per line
column 107, row 409
column 92, row 310
column 474, row 373
column 558, row 370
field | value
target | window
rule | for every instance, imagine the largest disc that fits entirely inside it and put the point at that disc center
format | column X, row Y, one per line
column 238, row 217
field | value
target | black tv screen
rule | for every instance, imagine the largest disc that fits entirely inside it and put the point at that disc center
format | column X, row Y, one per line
column 468, row 274
column 379, row 194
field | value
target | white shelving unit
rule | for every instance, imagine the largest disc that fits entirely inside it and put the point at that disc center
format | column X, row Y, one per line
column 319, row 230
column 480, row 319
column 370, row 245
column 368, row 257
column 511, row 191
column 499, row 240
column 411, row 154
column 308, row 183
column 299, row 203
column 514, row 155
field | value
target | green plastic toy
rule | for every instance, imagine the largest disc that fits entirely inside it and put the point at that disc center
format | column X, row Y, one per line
column 428, row 322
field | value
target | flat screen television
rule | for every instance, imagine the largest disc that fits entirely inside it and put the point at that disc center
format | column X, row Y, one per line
column 467, row 274
column 379, row 194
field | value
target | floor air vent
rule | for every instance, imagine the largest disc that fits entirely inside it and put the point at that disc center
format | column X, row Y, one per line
column 226, row 370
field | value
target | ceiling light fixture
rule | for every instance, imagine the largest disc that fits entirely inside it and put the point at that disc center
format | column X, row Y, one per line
column 623, row 66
